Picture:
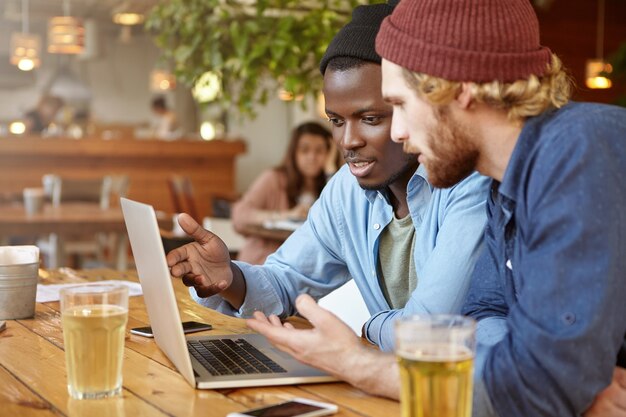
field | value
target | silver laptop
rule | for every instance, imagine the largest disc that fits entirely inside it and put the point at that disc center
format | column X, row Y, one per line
column 204, row 361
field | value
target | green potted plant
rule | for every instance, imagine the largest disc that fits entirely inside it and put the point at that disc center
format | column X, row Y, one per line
column 247, row 43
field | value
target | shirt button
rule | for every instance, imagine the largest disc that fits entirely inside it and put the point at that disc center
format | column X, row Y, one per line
column 376, row 226
column 569, row 318
column 509, row 264
column 373, row 273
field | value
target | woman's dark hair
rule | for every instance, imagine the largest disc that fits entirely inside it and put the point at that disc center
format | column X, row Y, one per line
column 295, row 179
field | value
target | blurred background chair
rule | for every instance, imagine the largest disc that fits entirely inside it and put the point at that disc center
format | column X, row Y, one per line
column 221, row 204
column 181, row 193
column 183, row 201
column 103, row 248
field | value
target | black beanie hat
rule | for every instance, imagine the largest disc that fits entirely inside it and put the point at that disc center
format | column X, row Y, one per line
column 357, row 39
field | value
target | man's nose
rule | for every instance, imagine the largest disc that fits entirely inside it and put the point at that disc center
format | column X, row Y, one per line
column 398, row 132
column 351, row 138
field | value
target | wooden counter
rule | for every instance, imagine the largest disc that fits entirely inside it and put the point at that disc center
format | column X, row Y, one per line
column 148, row 164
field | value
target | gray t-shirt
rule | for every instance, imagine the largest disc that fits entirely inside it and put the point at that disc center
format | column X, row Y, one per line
column 396, row 269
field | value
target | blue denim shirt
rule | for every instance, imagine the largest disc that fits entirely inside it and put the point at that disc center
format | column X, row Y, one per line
column 550, row 288
column 339, row 241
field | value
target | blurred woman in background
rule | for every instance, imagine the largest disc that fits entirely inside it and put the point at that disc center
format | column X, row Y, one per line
column 285, row 192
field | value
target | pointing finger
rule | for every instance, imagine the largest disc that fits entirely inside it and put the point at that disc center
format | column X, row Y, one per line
column 193, row 229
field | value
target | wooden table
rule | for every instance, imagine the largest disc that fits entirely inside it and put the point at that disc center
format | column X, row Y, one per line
column 70, row 219
column 33, row 377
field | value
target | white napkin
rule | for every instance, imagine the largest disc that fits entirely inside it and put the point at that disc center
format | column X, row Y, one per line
column 19, row 255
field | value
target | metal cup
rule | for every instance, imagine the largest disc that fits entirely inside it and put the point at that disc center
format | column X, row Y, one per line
column 19, row 271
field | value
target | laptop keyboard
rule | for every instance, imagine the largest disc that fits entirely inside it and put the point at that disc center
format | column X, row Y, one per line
column 232, row 357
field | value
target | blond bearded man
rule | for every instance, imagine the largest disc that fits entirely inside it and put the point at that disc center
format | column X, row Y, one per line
column 472, row 88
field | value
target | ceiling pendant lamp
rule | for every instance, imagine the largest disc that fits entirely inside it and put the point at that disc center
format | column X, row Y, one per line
column 25, row 47
column 596, row 69
column 127, row 14
column 66, row 34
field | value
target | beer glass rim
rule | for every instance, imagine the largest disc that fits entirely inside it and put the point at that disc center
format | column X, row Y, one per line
column 451, row 320
column 94, row 289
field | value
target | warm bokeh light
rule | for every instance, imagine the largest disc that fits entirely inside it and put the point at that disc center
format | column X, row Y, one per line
column 598, row 82
column 164, row 85
column 128, row 19
column 66, row 35
column 25, row 51
column 593, row 70
column 26, row 64
column 207, row 131
column 162, row 80
column 17, row 128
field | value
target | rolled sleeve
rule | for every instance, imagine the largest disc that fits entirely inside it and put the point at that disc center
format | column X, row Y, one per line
column 260, row 294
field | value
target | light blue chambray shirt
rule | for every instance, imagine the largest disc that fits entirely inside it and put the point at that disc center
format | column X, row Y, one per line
column 339, row 241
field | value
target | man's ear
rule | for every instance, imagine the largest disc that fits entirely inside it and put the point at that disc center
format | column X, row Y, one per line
column 464, row 98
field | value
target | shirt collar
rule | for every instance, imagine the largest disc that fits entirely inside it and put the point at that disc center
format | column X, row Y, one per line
column 372, row 195
column 524, row 147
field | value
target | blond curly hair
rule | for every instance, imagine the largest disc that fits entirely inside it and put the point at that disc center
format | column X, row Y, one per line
column 521, row 99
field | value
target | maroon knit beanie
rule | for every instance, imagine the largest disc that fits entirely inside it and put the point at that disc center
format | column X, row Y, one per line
column 465, row 40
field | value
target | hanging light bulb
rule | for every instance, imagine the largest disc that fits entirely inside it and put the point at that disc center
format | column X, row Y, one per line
column 596, row 69
column 128, row 13
column 128, row 18
column 25, row 47
column 162, row 80
column 594, row 74
column 66, row 34
column 25, row 51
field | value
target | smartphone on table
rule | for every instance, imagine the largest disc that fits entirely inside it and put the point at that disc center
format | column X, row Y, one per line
column 296, row 407
column 188, row 327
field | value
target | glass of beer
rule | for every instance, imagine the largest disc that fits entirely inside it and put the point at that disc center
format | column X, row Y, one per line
column 436, row 359
column 94, row 322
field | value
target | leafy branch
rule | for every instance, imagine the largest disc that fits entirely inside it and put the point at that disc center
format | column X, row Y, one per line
column 247, row 42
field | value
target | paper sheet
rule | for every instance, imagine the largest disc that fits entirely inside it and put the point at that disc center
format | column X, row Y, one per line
column 283, row 224
column 47, row 293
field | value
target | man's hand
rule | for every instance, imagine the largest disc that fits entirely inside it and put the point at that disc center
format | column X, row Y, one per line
column 327, row 346
column 203, row 264
column 611, row 402
column 331, row 346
